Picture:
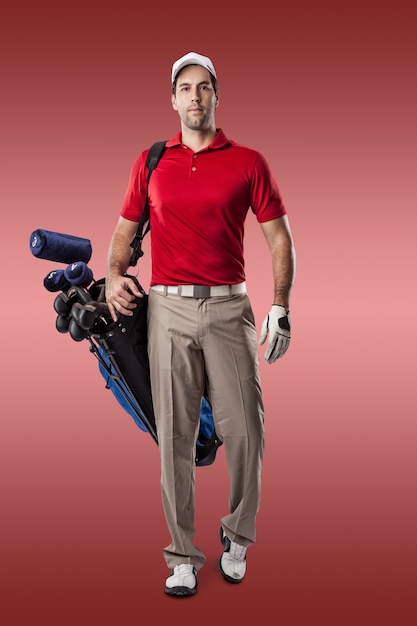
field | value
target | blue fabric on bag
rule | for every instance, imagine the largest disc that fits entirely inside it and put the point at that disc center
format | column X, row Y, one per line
column 120, row 391
column 59, row 247
column 206, row 418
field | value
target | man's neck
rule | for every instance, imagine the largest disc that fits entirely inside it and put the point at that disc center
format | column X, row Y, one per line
column 197, row 139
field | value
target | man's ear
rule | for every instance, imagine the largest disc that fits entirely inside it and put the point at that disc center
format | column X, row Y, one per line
column 217, row 100
column 173, row 102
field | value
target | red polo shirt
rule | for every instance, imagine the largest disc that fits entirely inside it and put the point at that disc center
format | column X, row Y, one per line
column 198, row 204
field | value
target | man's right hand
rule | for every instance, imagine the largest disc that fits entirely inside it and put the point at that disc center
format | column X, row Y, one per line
column 120, row 295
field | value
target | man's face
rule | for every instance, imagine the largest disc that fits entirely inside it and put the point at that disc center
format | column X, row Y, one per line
column 195, row 98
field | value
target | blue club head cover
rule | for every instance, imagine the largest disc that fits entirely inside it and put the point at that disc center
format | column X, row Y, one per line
column 79, row 274
column 56, row 281
column 59, row 247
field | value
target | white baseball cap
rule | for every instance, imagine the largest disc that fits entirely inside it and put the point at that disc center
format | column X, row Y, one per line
column 192, row 58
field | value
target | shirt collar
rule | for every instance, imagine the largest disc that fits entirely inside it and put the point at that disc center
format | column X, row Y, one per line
column 220, row 141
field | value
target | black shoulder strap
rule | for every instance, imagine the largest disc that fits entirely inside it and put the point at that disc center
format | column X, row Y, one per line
column 156, row 151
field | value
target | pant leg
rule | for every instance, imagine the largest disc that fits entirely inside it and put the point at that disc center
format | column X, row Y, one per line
column 230, row 349
column 177, row 379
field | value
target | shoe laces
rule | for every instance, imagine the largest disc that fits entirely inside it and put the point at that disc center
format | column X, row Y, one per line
column 183, row 569
column 237, row 551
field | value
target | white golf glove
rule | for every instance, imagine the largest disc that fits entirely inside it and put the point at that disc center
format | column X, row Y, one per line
column 277, row 324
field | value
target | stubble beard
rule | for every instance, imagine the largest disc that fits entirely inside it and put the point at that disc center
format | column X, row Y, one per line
column 202, row 122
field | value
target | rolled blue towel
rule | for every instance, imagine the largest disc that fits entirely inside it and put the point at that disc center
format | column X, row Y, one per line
column 58, row 247
column 56, row 281
column 78, row 273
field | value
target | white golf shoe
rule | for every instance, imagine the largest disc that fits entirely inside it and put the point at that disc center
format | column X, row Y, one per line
column 232, row 563
column 183, row 581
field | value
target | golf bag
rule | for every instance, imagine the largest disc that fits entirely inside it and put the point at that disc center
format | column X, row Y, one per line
column 121, row 350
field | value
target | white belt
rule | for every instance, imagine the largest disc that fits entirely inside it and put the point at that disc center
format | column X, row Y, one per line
column 200, row 291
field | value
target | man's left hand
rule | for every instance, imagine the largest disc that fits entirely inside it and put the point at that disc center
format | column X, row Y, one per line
column 277, row 325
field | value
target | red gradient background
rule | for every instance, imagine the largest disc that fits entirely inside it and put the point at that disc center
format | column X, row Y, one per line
column 327, row 92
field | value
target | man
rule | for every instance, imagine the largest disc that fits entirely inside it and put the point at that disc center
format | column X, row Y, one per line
column 201, row 330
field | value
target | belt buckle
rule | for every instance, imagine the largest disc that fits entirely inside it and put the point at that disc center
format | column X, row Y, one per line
column 201, row 291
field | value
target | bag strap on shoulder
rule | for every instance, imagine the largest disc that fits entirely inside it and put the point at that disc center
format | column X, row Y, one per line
column 155, row 153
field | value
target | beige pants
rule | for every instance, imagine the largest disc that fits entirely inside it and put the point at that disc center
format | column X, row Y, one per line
column 194, row 342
